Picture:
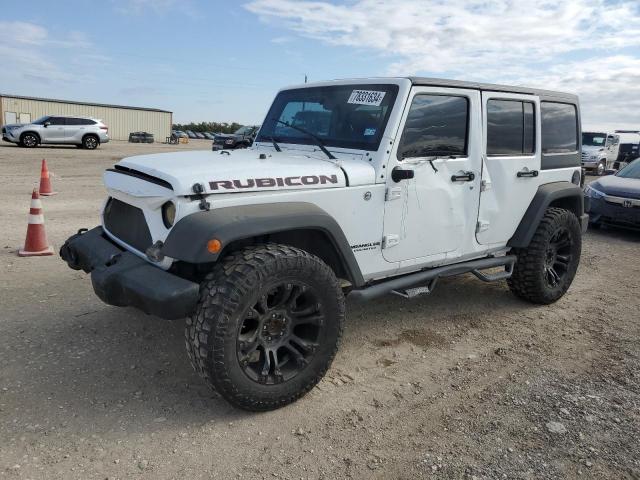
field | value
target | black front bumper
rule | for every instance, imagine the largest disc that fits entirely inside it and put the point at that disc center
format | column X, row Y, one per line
column 123, row 279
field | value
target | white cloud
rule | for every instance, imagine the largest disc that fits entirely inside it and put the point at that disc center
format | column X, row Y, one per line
column 28, row 51
column 506, row 41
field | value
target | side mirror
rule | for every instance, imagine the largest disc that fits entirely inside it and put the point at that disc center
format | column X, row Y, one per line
column 46, row 124
column 609, row 171
column 398, row 174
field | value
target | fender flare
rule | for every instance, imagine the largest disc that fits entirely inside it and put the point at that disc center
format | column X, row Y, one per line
column 187, row 240
column 564, row 194
column 34, row 132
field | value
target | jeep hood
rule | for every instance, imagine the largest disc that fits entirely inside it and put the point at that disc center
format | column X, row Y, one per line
column 245, row 171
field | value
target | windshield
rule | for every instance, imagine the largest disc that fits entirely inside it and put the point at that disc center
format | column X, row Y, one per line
column 41, row 120
column 630, row 171
column 594, row 139
column 348, row 116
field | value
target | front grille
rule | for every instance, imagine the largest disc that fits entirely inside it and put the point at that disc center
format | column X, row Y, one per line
column 127, row 223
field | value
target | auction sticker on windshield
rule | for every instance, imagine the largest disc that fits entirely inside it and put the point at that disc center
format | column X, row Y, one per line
column 366, row 97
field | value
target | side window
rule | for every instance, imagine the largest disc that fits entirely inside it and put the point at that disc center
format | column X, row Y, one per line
column 559, row 127
column 57, row 121
column 510, row 127
column 79, row 121
column 436, row 125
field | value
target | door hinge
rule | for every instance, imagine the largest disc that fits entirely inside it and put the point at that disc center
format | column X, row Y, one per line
column 481, row 226
column 393, row 193
column 391, row 240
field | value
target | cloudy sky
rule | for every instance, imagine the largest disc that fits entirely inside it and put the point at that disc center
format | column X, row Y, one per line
column 223, row 61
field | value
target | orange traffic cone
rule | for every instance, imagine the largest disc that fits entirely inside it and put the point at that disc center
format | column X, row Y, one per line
column 45, row 181
column 36, row 243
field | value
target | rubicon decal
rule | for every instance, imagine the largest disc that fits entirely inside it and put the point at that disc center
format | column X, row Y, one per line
column 273, row 182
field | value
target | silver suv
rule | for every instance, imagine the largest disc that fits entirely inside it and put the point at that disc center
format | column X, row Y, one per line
column 84, row 132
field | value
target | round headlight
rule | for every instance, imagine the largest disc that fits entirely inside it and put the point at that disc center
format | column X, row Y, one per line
column 168, row 214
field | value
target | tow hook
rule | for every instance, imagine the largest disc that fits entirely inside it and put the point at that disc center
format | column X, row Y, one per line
column 68, row 254
column 154, row 252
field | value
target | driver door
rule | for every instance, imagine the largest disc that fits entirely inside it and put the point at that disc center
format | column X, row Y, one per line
column 55, row 130
column 432, row 216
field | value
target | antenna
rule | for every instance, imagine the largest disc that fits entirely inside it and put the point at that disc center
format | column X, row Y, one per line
column 305, row 78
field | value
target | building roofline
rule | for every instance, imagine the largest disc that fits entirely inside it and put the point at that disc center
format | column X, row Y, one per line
column 89, row 104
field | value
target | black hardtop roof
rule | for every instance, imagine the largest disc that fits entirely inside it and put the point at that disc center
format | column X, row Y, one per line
column 440, row 82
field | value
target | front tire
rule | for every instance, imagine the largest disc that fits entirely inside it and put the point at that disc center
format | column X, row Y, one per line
column 545, row 269
column 267, row 326
column 600, row 169
column 29, row 140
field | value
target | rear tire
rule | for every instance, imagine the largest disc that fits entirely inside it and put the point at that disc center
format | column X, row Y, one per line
column 545, row 269
column 90, row 142
column 267, row 326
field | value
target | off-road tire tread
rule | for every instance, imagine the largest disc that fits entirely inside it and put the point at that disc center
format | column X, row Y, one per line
column 526, row 282
column 220, row 295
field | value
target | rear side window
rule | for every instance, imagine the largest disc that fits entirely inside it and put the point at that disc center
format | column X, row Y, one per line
column 510, row 127
column 436, row 125
column 79, row 121
column 559, row 127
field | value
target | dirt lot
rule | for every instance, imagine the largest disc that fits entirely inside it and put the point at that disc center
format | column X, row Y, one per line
column 466, row 383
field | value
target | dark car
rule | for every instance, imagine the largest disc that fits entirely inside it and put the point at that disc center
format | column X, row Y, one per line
column 200, row 136
column 209, row 136
column 141, row 137
column 241, row 138
column 615, row 199
column 190, row 134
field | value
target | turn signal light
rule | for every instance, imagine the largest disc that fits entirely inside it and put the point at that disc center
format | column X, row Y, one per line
column 214, row 245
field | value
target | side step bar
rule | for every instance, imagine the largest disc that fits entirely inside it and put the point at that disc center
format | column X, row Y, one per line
column 424, row 281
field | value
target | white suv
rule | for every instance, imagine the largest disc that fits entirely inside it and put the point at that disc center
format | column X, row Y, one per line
column 84, row 132
column 354, row 188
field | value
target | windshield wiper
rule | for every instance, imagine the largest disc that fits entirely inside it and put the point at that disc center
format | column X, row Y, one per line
column 306, row 132
column 275, row 145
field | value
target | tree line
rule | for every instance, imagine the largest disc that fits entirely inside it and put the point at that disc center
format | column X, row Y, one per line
column 214, row 127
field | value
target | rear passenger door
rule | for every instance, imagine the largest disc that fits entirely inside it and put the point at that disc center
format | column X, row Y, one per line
column 74, row 129
column 511, row 163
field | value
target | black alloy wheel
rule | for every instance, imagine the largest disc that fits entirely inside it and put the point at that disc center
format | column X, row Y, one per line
column 279, row 334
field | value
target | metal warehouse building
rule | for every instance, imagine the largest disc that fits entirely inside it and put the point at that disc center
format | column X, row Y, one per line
column 121, row 120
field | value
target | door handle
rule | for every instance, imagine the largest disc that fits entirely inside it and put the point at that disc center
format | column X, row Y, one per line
column 465, row 177
column 527, row 173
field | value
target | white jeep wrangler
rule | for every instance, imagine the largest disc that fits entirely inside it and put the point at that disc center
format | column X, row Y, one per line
column 352, row 188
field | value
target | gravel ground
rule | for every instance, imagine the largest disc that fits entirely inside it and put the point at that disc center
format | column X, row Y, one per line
column 468, row 382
